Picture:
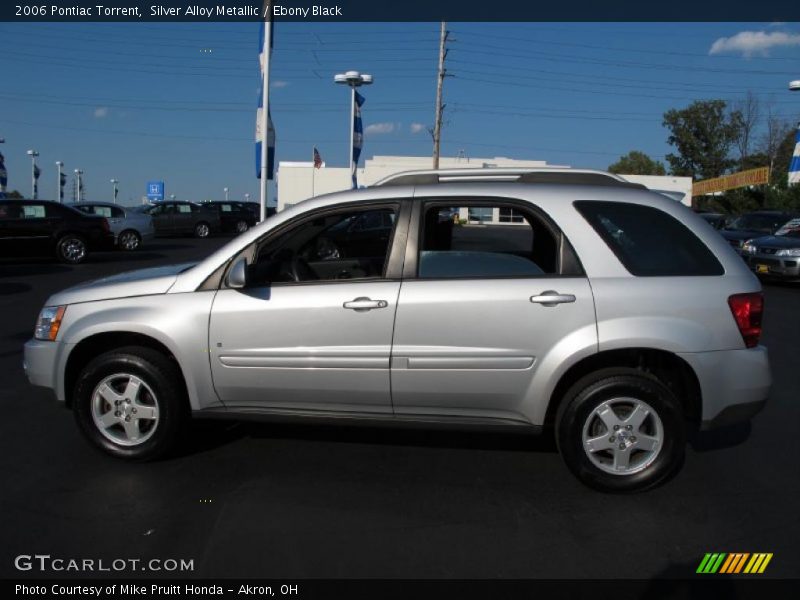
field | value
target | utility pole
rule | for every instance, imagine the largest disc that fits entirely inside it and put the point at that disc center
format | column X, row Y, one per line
column 437, row 127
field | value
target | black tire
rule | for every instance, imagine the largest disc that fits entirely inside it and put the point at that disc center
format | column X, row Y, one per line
column 202, row 230
column 611, row 385
column 129, row 240
column 157, row 372
column 241, row 226
column 71, row 249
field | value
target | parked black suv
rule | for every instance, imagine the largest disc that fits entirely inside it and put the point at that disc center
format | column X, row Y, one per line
column 170, row 218
column 41, row 227
column 233, row 216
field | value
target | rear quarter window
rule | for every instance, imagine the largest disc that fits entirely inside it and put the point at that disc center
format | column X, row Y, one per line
column 648, row 241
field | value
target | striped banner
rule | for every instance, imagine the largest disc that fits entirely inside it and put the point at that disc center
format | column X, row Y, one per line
column 794, row 165
column 734, row 563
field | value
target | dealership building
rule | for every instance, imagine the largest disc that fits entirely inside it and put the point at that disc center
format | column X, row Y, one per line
column 298, row 181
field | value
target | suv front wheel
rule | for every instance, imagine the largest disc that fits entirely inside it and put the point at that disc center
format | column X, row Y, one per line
column 130, row 404
column 621, row 430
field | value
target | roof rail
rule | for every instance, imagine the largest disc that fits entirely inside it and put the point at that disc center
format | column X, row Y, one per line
column 531, row 175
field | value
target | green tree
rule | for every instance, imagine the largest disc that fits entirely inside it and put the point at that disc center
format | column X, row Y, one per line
column 702, row 134
column 14, row 195
column 637, row 163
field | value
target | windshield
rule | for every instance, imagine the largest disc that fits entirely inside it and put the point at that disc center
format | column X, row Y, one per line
column 761, row 223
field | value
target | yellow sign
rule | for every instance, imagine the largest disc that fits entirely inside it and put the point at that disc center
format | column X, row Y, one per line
column 731, row 182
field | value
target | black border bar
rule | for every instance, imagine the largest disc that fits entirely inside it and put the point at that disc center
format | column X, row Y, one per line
column 405, row 10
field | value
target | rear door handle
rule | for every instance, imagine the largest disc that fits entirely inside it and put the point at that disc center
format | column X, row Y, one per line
column 552, row 298
column 364, row 304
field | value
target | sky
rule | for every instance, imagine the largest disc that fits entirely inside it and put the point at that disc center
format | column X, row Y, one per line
column 177, row 102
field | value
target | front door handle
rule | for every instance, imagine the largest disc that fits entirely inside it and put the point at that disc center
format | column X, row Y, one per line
column 363, row 304
column 552, row 298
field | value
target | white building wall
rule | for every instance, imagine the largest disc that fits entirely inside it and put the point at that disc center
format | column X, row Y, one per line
column 298, row 181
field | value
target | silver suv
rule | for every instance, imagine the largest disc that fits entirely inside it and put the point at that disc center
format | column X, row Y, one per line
column 539, row 300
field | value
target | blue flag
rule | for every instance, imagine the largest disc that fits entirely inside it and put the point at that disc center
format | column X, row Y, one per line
column 358, row 135
column 794, row 165
column 3, row 177
column 260, row 111
column 61, row 183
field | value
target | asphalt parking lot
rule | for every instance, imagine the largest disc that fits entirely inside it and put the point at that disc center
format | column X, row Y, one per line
column 266, row 500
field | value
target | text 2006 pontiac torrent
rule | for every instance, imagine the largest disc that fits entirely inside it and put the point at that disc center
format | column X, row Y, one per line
column 590, row 307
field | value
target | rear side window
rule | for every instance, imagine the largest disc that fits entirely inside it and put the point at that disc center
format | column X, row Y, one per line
column 648, row 241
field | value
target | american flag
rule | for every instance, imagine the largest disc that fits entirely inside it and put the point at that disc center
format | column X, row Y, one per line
column 317, row 159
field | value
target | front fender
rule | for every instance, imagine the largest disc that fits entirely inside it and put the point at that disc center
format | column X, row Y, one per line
column 178, row 321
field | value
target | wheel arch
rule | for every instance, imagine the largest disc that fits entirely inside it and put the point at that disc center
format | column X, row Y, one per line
column 94, row 345
column 668, row 367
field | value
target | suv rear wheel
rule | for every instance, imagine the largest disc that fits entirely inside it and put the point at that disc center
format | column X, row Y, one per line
column 621, row 430
column 130, row 404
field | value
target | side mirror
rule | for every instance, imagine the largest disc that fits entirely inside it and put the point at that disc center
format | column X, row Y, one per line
column 237, row 276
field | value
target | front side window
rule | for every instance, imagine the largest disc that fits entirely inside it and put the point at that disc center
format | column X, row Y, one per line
column 453, row 249
column 648, row 241
column 341, row 245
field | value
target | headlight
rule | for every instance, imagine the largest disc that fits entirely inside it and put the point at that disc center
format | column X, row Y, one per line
column 748, row 247
column 788, row 252
column 48, row 323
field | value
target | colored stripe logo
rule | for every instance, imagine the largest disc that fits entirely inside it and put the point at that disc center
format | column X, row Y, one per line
column 734, row 563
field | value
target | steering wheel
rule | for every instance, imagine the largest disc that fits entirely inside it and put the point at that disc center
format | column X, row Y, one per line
column 299, row 270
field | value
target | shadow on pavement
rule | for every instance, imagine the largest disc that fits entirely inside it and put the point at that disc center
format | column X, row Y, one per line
column 680, row 581
column 210, row 434
column 7, row 289
column 719, row 439
column 30, row 267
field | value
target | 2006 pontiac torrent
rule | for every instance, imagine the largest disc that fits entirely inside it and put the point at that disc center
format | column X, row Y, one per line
column 563, row 301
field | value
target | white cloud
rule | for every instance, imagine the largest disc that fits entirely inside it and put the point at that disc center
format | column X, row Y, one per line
column 417, row 128
column 750, row 43
column 279, row 84
column 101, row 112
column 379, row 128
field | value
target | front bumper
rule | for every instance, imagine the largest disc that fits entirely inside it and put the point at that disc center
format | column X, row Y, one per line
column 40, row 362
column 769, row 265
column 734, row 384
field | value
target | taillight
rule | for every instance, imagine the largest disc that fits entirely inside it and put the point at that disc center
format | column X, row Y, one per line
column 747, row 311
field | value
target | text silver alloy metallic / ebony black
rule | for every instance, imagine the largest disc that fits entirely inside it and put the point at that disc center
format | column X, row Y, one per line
column 599, row 311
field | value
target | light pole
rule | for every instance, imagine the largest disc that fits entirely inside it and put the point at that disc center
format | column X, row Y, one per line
column 353, row 79
column 247, row 197
column 114, row 183
column 78, row 174
column 172, row 197
column 33, row 154
column 226, row 193
column 60, row 166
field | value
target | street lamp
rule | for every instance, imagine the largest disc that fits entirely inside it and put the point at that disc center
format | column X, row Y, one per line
column 78, row 174
column 114, row 183
column 353, row 79
column 247, row 197
column 60, row 166
column 172, row 197
column 34, row 192
column 226, row 193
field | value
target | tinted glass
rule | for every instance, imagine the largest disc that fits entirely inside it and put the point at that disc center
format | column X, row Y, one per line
column 451, row 249
column 648, row 241
column 346, row 245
